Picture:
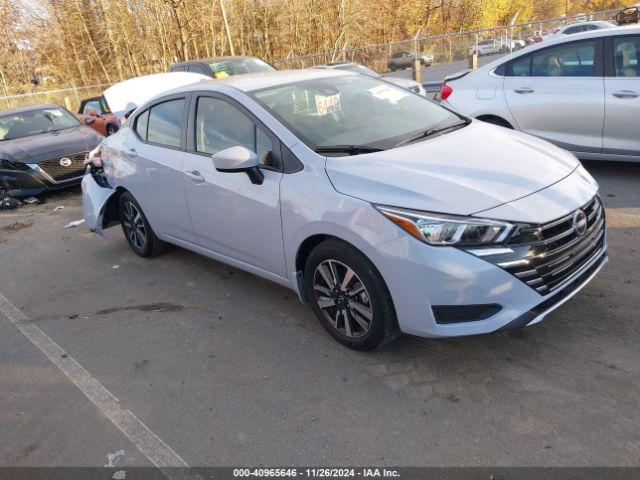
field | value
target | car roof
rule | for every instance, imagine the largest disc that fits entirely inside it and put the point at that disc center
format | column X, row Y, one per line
column 256, row 81
column 29, row 108
column 215, row 59
column 606, row 32
column 589, row 22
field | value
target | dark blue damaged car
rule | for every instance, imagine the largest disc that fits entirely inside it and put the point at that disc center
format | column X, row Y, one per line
column 42, row 148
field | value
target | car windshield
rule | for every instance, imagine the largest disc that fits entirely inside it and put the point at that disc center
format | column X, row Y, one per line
column 34, row 122
column 353, row 110
column 238, row 66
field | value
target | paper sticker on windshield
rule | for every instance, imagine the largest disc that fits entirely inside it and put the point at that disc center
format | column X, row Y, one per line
column 390, row 94
column 55, row 113
column 327, row 104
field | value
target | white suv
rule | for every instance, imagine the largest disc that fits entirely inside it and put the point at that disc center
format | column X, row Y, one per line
column 581, row 92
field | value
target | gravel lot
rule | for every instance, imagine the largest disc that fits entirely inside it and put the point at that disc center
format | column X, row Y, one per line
column 229, row 369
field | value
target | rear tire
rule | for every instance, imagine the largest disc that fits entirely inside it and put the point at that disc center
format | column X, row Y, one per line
column 139, row 234
column 349, row 296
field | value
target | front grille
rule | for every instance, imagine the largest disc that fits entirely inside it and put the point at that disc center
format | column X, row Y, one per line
column 546, row 256
column 59, row 172
column 558, row 251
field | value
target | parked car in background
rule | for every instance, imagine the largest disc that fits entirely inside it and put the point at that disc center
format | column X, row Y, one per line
column 43, row 147
column 496, row 46
column 407, row 83
column 629, row 15
column 144, row 88
column 383, row 210
column 95, row 113
column 403, row 59
column 580, row 27
column 221, row 67
column 581, row 92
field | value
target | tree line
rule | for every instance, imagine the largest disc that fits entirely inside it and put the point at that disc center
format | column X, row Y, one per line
column 62, row 43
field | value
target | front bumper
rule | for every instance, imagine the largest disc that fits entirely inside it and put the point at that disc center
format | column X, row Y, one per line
column 420, row 277
column 34, row 181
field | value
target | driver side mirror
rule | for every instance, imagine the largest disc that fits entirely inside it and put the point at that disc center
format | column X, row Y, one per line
column 239, row 159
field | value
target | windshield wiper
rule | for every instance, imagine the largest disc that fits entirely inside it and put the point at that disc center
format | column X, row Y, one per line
column 429, row 132
column 349, row 149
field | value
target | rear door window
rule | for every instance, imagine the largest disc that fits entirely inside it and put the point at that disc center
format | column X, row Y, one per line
column 520, row 67
column 165, row 123
column 626, row 56
column 570, row 60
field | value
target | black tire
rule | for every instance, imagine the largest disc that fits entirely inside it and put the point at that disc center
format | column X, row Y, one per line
column 135, row 226
column 374, row 297
column 496, row 121
column 111, row 129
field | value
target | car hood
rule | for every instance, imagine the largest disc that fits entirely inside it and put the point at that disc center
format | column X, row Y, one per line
column 130, row 94
column 48, row 145
column 475, row 168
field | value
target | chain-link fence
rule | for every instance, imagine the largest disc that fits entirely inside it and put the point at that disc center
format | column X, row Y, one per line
column 431, row 50
column 443, row 49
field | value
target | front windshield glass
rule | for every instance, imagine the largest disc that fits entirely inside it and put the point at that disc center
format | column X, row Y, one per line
column 239, row 66
column 352, row 110
column 34, row 122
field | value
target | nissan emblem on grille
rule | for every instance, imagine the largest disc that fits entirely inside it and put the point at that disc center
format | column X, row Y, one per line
column 65, row 162
column 580, row 222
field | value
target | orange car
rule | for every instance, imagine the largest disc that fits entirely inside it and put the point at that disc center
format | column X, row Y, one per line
column 95, row 113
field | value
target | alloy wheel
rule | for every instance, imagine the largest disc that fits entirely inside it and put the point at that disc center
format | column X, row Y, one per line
column 134, row 226
column 343, row 298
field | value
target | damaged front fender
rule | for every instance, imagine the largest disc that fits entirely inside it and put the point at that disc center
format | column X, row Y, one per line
column 96, row 201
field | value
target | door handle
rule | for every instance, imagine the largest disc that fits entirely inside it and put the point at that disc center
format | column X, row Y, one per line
column 130, row 150
column 626, row 94
column 195, row 175
column 524, row 90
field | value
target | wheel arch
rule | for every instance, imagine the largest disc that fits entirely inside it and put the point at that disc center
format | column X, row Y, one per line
column 111, row 215
column 309, row 243
column 495, row 119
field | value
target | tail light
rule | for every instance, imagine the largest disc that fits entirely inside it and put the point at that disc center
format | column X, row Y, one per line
column 445, row 91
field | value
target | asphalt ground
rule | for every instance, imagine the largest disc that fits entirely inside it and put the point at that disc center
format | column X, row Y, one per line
column 436, row 73
column 182, row 358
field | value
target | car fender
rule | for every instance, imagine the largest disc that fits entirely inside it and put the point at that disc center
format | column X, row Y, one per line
column 94, row 203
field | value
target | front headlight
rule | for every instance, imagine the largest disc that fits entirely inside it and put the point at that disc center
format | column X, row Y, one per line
column 452, row 230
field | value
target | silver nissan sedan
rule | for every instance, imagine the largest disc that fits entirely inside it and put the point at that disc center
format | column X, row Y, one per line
column 386, row 212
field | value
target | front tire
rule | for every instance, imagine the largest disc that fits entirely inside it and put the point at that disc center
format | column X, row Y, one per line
column 349, row 296
column 139, row 234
